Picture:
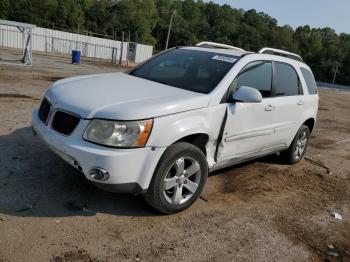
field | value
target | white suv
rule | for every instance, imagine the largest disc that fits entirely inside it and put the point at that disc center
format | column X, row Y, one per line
column 160, row 128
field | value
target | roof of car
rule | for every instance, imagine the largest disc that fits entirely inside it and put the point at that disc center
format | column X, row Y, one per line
column 236, row 51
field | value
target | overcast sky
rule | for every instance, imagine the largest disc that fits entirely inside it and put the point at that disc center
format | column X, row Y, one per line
column 316, row 13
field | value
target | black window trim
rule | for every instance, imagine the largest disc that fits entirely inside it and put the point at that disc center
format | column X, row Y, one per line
column 300, row 87
column 227, row 96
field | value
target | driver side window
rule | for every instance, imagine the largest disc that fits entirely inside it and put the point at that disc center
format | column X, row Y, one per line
column 257, row 75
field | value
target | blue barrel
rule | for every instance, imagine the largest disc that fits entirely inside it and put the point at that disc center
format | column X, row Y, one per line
column 75, row 57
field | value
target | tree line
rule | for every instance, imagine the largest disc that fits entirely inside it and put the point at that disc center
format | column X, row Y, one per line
column 147, row 21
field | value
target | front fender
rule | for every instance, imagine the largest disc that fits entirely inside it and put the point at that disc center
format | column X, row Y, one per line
column 169, row 129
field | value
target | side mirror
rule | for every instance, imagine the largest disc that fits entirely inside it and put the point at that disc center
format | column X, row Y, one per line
column 247, row 94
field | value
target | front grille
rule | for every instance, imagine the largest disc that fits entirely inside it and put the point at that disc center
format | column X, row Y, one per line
column 64, row 123
column 44, row 110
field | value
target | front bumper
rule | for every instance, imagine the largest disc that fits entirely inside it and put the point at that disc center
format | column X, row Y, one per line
column 130, row 170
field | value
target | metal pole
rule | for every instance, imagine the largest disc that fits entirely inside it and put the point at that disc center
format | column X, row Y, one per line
column 24, row 40
column 121, row 49
column 335, row 74
column 45, row 44
column 31, row 46
column 169, row 29
column 113, row 49
column 76, row 48
column 128, row 50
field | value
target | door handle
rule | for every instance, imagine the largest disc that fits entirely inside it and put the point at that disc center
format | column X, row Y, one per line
column 300, row 102
column 269, row 108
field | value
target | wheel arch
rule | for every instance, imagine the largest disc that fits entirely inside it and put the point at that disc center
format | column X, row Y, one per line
column 199, row 140
column 310, row 123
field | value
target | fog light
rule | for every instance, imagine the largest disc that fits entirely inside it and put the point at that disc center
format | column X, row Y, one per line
column 99, row 174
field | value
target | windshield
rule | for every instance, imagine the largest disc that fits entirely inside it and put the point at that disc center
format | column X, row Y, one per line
column 192, row 70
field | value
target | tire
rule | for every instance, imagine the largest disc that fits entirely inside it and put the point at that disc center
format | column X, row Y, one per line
column 297, row 149
column 173, row 185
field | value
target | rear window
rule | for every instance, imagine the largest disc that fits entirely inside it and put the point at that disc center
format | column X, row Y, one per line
column 286, row 80
column 192, row 70
column 310, row 81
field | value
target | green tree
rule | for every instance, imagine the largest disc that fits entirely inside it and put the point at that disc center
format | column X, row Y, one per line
column 61, row 14
column 4, row 9
column 147, row 21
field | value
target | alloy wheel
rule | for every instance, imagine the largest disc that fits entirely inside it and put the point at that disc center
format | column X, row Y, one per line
column 181, row 180
column 300, row 145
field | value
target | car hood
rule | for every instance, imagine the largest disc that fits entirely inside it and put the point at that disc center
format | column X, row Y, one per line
column 122, row 97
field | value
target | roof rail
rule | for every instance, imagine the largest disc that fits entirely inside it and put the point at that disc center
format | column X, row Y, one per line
column 218, row 45
column 273, row 51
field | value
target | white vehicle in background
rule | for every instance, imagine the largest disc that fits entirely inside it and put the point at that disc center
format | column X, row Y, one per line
column 160, row 128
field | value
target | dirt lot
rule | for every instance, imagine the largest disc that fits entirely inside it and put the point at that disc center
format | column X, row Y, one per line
column 260, row 211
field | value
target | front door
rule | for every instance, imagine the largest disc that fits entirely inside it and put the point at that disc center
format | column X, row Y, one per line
column 249, row 126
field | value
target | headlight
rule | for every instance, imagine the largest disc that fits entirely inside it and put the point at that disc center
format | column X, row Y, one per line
column 119, row 133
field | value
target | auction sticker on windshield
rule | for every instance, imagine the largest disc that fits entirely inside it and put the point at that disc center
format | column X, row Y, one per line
column 224, row 58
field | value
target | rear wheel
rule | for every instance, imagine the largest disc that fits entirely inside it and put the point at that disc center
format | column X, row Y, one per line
column 178, row 180
column 297, row 149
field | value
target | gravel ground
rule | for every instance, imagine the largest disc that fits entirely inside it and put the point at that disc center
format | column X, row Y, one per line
column 259, row 211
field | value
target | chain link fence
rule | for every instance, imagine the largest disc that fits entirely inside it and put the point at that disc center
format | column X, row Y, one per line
column 61, row 42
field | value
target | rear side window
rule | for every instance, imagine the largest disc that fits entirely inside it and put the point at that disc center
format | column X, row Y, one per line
column 310, row 81
column 257, row 75
column 286, row 80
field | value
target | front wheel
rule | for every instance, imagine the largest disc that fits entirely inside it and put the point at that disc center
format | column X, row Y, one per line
column 297, row 149
column 178, row 180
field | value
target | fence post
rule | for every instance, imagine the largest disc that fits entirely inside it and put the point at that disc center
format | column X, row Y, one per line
column 23, row 39
column 113, row 50
column 46, row 43
column 121, row 49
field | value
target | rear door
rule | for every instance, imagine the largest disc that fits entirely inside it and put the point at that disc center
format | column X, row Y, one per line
column 288, row 103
